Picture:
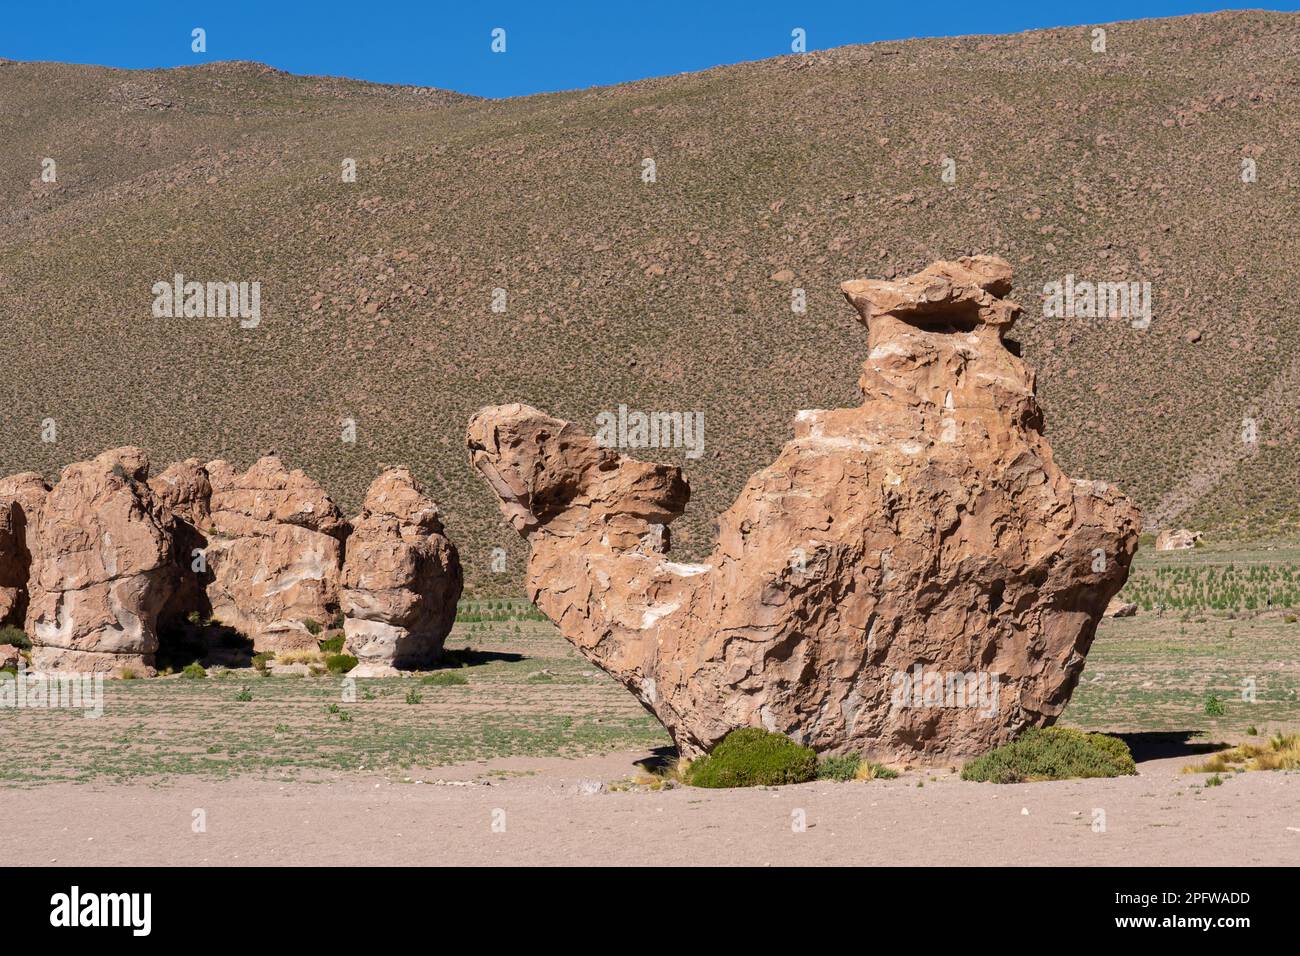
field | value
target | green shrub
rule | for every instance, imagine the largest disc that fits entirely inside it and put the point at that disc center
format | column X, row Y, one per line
column 445, row 679
column 1214, row 706
column 245, row 693
column 260, row 661
column 194, row 671
column 313, row 627
column 1052, row 753
column 332, row 645
column 839, row 768
column 128, row 674
column 340, row 663
column 753, row 757
column 16, row 637
column 413, row 696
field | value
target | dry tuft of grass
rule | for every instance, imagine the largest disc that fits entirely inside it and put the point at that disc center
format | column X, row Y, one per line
column 300, row 657
column 874, row 771
column 1282, row 752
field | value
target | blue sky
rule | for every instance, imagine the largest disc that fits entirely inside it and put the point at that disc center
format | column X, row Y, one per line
column 550, row 44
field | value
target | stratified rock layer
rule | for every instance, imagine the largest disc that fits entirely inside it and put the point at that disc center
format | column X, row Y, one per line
column 401, row 579
column 101, row 568
column 911, row 579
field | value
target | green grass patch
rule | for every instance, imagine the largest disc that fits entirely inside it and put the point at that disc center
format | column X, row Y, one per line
column 445, row 679
column 754, row 757
column 340, row 663
column 1052, row 753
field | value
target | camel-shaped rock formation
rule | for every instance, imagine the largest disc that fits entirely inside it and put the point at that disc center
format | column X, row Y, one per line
column 911, row 579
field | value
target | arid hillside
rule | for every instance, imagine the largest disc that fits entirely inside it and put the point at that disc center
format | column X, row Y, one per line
column 377, row 296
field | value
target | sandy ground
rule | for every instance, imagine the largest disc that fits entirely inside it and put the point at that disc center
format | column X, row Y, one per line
column 551, row 817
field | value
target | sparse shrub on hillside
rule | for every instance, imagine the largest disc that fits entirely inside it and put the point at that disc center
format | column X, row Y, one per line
column 413, row 696
column 245, row 694
column 260, row 661
column 332, row 645
column 313, row 627
column 194, row 671
column 753, row 757
column 1214, row 706
column 1052, row 753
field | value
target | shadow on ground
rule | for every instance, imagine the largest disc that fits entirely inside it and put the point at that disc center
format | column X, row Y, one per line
column 1159, row 745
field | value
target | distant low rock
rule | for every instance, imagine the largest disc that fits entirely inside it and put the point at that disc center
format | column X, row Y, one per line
column 1177, row 540
column 1118, row 608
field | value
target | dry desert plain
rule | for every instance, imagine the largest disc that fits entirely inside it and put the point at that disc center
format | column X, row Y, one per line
column 537, row 757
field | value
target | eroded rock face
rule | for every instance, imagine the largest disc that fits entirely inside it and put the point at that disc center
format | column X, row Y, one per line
column 20, row 500
column 911, row 579
column 101, row 568
column 274, row 553
column 401, row 580
column 183, row 489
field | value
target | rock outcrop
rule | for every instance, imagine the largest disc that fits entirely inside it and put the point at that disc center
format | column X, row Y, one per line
column 274, row 553
column 401, row 579
column 1118, row 608
column 20, row 500
column 101, row 568
column 98, row 566
column 911, row 579
column 1179, row 539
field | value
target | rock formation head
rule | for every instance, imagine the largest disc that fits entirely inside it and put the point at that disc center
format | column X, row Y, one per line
column 910, row 579
column 548, row 473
